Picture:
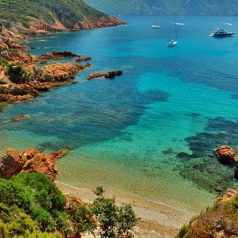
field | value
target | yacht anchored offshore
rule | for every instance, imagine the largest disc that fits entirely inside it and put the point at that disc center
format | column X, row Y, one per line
column 221, row 33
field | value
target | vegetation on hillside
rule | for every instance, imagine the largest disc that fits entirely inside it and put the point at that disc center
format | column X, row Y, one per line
column 221, row 220
column 167, row 7
column 32, row 206
column 66, row 11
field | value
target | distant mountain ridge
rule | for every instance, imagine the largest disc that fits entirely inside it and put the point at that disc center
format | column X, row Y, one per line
column 50, row 15
column 167, row 7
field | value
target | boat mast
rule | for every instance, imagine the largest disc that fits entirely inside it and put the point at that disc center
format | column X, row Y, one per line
column 175, row 28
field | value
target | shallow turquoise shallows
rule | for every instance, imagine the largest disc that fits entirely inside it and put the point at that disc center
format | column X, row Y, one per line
column 151, row 131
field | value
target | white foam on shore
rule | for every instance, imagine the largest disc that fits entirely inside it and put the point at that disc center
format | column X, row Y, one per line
column 157, row 202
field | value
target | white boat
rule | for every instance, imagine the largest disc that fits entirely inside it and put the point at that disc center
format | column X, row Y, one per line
column 155, row 26
column 180, row 24
column 172, row 43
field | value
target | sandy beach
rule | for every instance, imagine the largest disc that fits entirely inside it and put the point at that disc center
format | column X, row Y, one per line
column 158, row 220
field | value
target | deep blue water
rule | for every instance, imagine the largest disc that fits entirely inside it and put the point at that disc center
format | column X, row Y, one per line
column 127, row 134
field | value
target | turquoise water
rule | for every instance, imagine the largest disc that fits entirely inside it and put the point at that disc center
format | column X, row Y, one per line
column 128, row 134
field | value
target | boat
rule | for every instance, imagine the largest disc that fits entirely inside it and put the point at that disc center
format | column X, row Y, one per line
column 219, row 33
column 156, row 25
column 180, row 24
column 228, row 23
column 173, row 42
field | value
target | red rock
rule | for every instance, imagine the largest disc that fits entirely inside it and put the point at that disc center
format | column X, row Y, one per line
column 60, row 72
column 231, row 193
column 226, row 154
column 31, row 160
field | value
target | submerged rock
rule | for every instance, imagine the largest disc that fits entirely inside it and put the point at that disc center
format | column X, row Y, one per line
column 19, row 118
column 226, row 154
column 31, row 160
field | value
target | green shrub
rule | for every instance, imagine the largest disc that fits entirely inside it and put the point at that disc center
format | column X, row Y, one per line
column 17, row 74
column 38, row 197
column 114, row 221
column 32, row 206
column 83, row 220
column 46, row 194
column 14, row 194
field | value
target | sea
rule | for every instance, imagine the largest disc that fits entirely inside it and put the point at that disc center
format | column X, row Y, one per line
column 151, row 132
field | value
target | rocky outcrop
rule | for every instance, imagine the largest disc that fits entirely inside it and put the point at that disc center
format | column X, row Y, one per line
column 108, row 75
column 17, row 93
column 60, row 72
column 36, row 79
column 83, row 59
column 17, row 57
column 231, row 193
column 55, row 55
column 104, row 21
column 226, row 154
column 31, row 160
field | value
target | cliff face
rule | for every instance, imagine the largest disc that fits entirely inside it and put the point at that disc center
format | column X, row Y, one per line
column 167, row 7
column 39, row 16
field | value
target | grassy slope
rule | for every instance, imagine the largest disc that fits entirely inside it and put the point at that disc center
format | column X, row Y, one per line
column 67, row 11
column 167, row 7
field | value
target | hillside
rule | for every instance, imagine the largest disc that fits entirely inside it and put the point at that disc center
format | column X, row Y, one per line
column 51, row 15
column 220, row 220
column 167, row 7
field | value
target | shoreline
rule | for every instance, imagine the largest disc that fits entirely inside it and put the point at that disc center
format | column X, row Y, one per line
column 157, row 219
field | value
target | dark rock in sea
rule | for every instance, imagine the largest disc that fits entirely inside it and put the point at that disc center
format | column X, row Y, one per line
column 83, row 59
column 194, row 115
column 113, row 74
column 183, row 155
column 226, row 154
column 202, row 167
column 226, row 126
column 209, row 174
column 54, row 55
column 108, row 75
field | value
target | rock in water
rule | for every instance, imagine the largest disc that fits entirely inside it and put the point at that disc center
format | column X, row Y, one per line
column 19, row 118
column 107, row 75
column 226, row 154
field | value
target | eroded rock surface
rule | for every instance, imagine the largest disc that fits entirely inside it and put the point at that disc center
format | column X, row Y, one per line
column 226, row 154
column 31, row 160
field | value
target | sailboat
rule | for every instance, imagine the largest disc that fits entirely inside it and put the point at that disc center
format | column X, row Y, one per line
column 173, row 42
column 156, row 25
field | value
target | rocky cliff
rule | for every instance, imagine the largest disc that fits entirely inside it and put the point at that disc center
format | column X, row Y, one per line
column 40, row 16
